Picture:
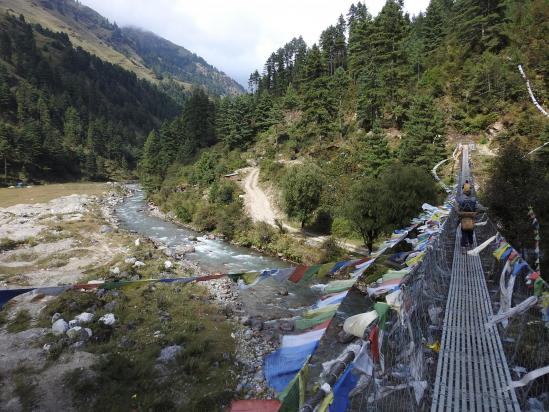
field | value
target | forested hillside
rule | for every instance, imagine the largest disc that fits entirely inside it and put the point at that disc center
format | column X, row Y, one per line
column 151, row 57
column 64, row 113
column 363, row 114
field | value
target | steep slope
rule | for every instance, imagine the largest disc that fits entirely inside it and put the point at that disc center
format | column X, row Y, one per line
column 65, row 113
column 149, row 56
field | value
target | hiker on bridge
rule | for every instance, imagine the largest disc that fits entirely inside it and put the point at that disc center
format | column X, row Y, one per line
column 467, row 210
column 466, row 188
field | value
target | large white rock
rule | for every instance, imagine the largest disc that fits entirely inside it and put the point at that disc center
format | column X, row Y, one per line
column 56, row 316
column 168, row 264
column 130, row 260
column 108, row 319
column 137, row 242
column 73, row 323
column 59, row 327
column 138, row 264
column 74, row 332
column 115, row 270
column 84, row 317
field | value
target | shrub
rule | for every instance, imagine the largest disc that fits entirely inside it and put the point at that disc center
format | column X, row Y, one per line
column 222, row 192
column 205, row 217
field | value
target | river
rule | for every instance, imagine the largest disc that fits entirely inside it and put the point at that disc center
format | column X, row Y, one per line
column 211, row 255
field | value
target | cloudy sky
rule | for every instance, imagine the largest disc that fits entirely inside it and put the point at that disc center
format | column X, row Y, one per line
column 236, row 36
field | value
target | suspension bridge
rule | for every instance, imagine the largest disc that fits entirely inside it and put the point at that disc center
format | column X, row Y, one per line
column 472, row 370
column 442, row 350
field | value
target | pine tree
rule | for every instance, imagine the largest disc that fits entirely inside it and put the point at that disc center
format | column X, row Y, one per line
column 318, row 103
column 151, row 163
column 5, row 94
column 435, row 23
column 481, row 24
column 375, row 152
column 5, row 149
column 72, row 128
column 423, row 143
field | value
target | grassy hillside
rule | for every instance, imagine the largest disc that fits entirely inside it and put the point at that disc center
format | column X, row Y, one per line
column 149, row 56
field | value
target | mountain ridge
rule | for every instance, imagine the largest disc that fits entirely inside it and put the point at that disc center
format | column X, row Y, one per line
column 93, row 32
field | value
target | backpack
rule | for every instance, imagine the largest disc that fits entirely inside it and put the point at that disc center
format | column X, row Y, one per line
column 468, row 204
column 466, row 188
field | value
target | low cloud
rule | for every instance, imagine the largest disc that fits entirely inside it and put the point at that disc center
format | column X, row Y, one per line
column 236, row 36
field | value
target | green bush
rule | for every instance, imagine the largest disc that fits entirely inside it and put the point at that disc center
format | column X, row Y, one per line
column 205, row 216
column 222, row 191
column 341, row 228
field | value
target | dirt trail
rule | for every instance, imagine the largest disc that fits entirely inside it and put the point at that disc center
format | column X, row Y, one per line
column 257, row 202
column 261, row 209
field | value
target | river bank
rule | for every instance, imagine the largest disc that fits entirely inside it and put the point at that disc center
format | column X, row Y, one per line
column 80, row 238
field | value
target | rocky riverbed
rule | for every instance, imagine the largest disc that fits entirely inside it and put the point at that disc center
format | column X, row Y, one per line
column 77, row 238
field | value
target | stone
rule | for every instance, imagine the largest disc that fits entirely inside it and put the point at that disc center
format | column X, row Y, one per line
column 286, row 325
column 84, row 317
column 138, row 264
column 76, row 332
column 130, row 260
column 46, row 347
column 73, row 323
column 105, row 229
column 168, row 252
column 169, row 353
column 126, row 342
column 115, row 270
column 89, row 332
column 164, row 316
column 256, row 323
column 283, row 292
column 78, row 345
column 59, row 327
column 157, row 334
column 109, row 306
column 168, row 264
column 108, row 319
column 56, row 316
column 137, row 242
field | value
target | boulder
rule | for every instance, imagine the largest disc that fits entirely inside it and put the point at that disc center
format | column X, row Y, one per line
column 256, row 323
column 76, row 332
column 286, row 325
column 56, row 316
column 138, row 264
column 108, row 319
column 109, row 306
column 137, row 242
column 130, row 260
column 105, row 229
column 115, row 270
column 168, row 264
column 169, row 353
column 73, row 323
column 283, row 292
column 59, row 327
column 84, row 317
